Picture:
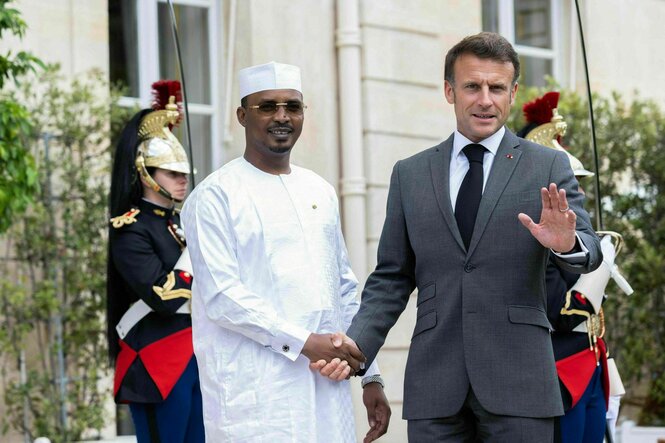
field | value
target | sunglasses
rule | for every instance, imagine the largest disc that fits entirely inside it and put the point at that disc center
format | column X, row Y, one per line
column 270, row 108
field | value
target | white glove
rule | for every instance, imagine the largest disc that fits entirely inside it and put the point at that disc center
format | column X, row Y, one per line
column 593, row 284
column 613, row 413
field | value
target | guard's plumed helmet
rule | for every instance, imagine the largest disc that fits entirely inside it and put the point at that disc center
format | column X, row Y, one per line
column 158, row 147
column 546, row 127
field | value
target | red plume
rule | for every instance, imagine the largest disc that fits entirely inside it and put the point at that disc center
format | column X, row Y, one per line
column 539, row 111
column 162, row 90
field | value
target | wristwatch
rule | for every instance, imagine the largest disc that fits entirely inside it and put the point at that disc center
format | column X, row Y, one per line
column 372, row 379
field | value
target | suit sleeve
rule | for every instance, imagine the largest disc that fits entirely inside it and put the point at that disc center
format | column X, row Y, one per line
column 164, row 290
column 562, row 175
column 388, row 288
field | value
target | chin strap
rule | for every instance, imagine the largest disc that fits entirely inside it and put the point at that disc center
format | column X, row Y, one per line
column 148, row 180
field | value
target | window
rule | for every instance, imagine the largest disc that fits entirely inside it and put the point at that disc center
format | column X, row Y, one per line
column 123, row 45
column 532, row 26
column 142, row 50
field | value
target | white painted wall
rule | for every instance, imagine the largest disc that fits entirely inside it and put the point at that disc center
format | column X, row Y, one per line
column 73, row 33
column 624, row 41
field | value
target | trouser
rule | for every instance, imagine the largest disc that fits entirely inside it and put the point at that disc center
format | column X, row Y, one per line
column 178, row 419
column 473, row 423
column 585, row 423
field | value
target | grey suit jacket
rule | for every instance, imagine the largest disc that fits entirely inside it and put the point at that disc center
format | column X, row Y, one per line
column 482, row 313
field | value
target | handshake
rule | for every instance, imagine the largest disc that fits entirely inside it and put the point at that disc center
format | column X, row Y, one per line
column 335, row 356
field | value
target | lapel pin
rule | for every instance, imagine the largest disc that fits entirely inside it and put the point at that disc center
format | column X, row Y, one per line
column 510, row 156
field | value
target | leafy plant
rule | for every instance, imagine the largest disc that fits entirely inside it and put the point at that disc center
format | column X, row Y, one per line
column 18, row 181
column 631, row 145
column 52, row 288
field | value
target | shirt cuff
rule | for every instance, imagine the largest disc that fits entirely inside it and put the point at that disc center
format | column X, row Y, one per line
column 575, row 258
column 289, row 341
column 372, row 370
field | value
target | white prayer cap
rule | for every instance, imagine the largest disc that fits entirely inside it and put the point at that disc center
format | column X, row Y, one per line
column 268, row 76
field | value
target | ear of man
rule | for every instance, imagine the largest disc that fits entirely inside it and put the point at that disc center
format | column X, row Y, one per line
column 241, row 114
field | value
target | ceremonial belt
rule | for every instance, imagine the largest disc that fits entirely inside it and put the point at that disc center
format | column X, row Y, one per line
column 136, row 313
column 594, row 324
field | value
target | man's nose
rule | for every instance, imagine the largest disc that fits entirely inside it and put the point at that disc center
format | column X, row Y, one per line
column 484, row 97
column 281, row 115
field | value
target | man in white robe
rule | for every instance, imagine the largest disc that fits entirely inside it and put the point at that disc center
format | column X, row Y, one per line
column 273, row 284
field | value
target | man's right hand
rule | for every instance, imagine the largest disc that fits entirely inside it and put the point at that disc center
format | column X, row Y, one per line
column 337, row 369
column 321, row 348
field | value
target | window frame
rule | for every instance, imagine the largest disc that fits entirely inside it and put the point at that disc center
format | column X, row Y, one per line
column 506, row 27
column 149, row 67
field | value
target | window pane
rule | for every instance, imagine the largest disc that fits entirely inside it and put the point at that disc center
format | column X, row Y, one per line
column 123, row 45
column 193, row 46
column 490, row 14
column 201, row 126
column 533, row 71
column 532, row 23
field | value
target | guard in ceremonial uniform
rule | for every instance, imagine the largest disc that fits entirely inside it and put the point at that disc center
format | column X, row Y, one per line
column 149, row 279
column 574, row 308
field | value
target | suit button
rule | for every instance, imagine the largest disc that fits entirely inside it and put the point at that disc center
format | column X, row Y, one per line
column 469, row 268
column 286, row 348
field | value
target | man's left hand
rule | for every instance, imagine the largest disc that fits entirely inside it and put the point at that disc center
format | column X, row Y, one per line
column 378, row 411
column 556, row 229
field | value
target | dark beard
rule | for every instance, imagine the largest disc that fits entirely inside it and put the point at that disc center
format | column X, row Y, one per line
column 281, row 150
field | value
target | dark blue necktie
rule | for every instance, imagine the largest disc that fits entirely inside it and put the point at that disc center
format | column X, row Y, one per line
column 468, row 198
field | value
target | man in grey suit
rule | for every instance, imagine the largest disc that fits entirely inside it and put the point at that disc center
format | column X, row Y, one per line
column 480, row 365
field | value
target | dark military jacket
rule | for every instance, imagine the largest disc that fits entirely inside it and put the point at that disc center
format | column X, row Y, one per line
column 559, row 299
column 145, row 244
column 565, row 310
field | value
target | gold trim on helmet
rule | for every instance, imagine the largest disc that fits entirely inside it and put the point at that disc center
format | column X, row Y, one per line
column 155, row 124
column 547, row 134
column 159, row 148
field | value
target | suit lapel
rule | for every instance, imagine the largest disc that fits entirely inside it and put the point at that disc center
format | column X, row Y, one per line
column 440, row 169
column 505, row 161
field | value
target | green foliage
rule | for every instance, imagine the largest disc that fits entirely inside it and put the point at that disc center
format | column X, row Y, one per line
column 56, row 264
column 631, row 145
column 18, row 182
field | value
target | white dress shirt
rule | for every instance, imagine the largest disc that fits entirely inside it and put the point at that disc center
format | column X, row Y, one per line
column 459, row 164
